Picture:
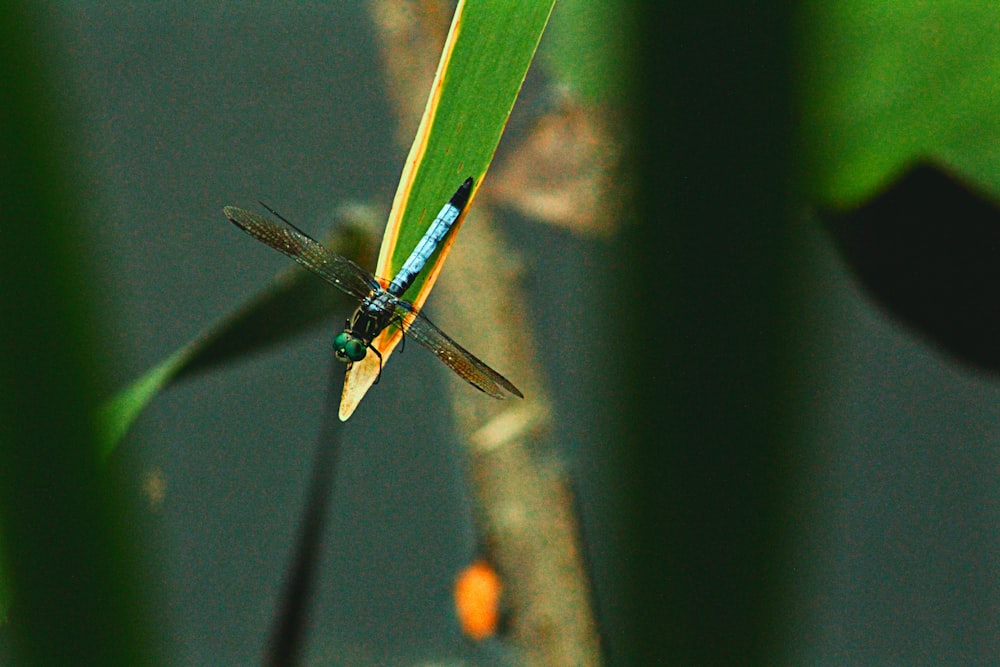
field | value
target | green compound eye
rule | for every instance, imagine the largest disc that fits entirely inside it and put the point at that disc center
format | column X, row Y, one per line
column 348, row 348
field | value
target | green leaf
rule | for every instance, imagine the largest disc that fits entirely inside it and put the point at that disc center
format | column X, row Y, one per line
column 117, row 415
column 586, row 48
column 294, row 301
column 482, row 67
column 887, row 84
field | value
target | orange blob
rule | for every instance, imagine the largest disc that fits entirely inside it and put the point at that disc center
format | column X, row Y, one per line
column 477, row 600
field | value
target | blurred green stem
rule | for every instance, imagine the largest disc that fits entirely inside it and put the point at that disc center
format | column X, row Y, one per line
column 73, row 590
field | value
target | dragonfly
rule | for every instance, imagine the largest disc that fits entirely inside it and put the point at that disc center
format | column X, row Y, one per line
column 379, row 307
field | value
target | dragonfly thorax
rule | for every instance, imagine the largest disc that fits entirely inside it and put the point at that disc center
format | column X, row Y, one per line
column 368, row 321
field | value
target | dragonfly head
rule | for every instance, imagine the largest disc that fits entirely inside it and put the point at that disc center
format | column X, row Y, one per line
column 349, row 348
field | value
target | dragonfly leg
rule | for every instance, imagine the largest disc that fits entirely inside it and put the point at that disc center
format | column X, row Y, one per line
column 397, row 322
column 379, row 355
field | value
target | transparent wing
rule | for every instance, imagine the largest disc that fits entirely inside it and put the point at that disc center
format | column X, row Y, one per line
column 454, row 355
column 285, row 237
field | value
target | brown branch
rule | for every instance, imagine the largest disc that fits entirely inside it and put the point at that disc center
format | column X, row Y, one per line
column 524, row 509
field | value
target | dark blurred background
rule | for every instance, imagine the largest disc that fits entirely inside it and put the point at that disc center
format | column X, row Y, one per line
column 888, row 500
